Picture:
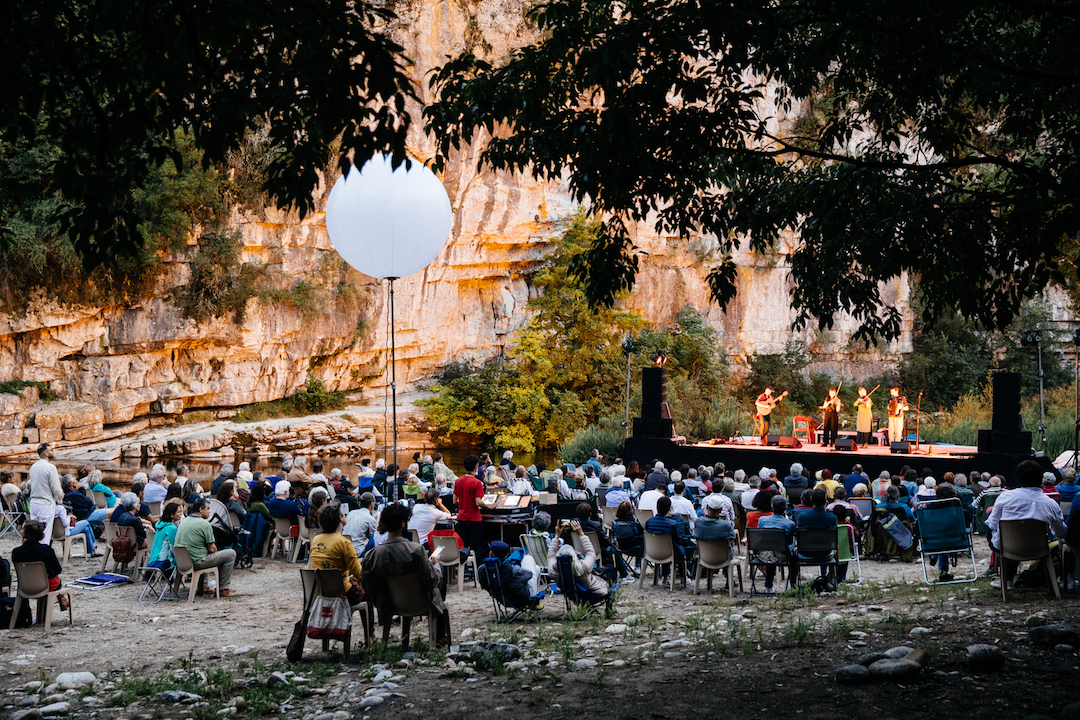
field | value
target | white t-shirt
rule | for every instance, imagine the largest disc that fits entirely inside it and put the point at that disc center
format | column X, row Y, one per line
column 648, row 500
column 681, row 506
column 423, row 519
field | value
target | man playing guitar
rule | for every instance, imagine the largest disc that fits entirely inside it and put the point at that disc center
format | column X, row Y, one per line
column 897, row 407
column 765, row 403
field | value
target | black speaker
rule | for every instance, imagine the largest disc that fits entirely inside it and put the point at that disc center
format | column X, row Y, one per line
column 653, row 391
column 1006, row 395
column 901, row 446
column 846, row 444
column 653, row 428
column 1012, row 443
column 986, row 441
column 773, row 439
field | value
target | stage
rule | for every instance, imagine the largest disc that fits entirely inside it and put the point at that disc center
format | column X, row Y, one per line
column 751, row 456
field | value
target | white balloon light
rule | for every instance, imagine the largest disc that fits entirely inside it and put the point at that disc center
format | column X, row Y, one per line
column 388, row 223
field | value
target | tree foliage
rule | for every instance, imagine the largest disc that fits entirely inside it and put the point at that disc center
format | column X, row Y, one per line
column 108, row 84
column 939, row 139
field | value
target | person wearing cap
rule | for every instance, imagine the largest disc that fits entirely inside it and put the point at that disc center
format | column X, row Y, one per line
column 712, row 525
column 520, row 583
column 280, row 506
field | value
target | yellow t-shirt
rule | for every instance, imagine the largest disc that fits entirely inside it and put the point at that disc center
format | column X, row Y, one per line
column 335, row 552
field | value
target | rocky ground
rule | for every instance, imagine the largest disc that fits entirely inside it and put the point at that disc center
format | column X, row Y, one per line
column 663, row 655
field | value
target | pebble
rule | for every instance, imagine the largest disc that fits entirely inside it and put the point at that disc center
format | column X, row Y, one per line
column 372, row 701
column 384, row 675
column 898, row 652
column 243, row 650
column 675, row 644
column 505, row 651
column 616, row 629
column 584, row 664
column 176, row 696
column 833, row 617
column 226, row 712
column 1051, row 635
column 895, row 669
column 868, row 659
column 54, row 698
column 672, row 654
column 28, row 701
column 75, row 680
column 277, row 678
column 852, row 675
column 920, row 630
column 985, row 658
column 27, row 715
column 60, row 708
column 1065, row 648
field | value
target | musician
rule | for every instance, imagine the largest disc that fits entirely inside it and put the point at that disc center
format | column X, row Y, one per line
column 897, row 407
column 765, row 403
column 831, row 418
column 864, row 417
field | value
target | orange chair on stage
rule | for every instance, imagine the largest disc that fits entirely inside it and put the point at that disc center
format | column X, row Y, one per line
column 802, row 429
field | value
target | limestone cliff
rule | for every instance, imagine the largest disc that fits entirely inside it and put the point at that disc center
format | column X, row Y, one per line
column 146, row 359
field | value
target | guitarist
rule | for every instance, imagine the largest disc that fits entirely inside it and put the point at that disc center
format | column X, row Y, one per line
column 765, row 403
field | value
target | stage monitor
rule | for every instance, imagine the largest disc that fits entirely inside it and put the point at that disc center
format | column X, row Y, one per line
column 846, row 444
column 902, row 446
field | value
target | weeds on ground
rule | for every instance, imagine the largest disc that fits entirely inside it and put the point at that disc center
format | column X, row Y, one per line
column 799, row 631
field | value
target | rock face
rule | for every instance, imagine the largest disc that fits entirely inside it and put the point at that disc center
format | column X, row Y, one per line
column 145, row 358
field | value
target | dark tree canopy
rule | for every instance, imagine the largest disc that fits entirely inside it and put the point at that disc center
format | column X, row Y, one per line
column 108, row 83
column 937, row 138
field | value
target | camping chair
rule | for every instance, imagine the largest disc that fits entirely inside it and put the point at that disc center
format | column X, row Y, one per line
column 1023, row 540
column 59, row 533
column 504, row 612
column 800, row 429
column 303, row 539
column 328, row 583
column 407, row 599
column 865, row 507
column 760, row 540
column 282, row 538
column 643, row 516
column 34, row 585
column 537, row 547
column 10, row 517
column 847, row 548
column 815, row 546
column 943, row 528
column 577, row 593
column 100, row 499
column 659, row 551
column 185, row 568
column 160, row 584
column 981, row 514
column 451, row 558
column 538, row 483
column 716, row 555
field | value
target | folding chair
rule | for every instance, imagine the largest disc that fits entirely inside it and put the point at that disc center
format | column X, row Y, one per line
column 34, row 585
column 451, row 558
column 59, row 534
column 847, row 548
column 537, row 547
column 715, row 555
column 800, row 429
column 10, row 517
column 160, row 585
column 815, row 546
column 758, row 541
column 185, row 568
column 1024, row 540
column 659, row 551
column 943, row 529
column 577, row 593
column 328, row 583
column 504, row 612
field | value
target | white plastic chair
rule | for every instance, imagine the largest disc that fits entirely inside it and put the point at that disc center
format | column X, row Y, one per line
column 185, row 568
column 659, row 551
column 34, row 585
column 59, row 534
column 715, row 555
column 451, row 558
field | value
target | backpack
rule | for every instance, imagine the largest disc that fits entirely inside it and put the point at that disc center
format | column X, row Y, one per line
column 427, row 472
column 123, row 549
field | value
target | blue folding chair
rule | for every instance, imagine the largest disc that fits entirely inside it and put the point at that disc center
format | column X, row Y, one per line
column 505, row 612
column 942, row 529
column 578, row 593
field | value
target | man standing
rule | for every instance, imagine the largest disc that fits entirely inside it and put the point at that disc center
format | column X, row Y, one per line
column 830, row 418
column 468, row 494
column 45, row 491
column 897, row 408
column 197, row 536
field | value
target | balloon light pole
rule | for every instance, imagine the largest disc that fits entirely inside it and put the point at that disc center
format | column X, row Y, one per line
column 389, row 223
